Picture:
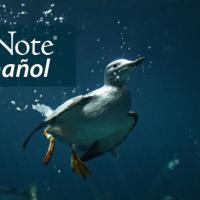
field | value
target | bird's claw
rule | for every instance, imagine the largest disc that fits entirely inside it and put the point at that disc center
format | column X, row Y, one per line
column 50, row 150
column 79, row 166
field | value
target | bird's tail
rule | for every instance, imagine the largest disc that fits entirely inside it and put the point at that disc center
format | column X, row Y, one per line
column 46, row 111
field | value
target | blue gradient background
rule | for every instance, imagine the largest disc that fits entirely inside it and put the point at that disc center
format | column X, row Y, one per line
column 165, row 94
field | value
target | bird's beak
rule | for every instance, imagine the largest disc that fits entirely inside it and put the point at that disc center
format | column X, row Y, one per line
column 136, row 62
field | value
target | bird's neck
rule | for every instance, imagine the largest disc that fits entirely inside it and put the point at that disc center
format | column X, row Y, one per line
column 116, row 85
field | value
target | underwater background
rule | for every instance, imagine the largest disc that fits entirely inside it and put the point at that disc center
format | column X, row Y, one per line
column 160, row 160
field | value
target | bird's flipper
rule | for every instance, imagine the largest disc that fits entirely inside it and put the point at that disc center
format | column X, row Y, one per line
column 115, row 152
column 134, row 116
column 79, row 100
column 108, row 144
column 68, row 105
column 40, row 126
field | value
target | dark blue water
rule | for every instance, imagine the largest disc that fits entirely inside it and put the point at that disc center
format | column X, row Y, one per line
column 160, row 160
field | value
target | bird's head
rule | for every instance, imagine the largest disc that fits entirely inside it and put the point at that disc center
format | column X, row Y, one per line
column 117, row 72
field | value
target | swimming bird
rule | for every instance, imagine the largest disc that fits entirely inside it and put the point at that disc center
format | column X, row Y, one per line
column 94, row 123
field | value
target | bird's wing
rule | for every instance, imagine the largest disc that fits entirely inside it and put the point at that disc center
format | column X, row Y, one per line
column 71, row 103
column 110, row 143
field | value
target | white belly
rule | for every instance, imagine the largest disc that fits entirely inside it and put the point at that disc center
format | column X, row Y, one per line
column 89, row 132
column 103, row 117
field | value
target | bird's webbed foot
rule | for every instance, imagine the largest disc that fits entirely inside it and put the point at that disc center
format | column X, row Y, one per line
column 78, row 165
column 50, row 150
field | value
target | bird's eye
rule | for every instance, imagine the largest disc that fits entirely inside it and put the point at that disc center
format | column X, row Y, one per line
column 115, row 65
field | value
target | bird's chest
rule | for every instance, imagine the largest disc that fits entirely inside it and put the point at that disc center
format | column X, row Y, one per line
column 97, row 119
column 103, row 116
column 114, row 103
